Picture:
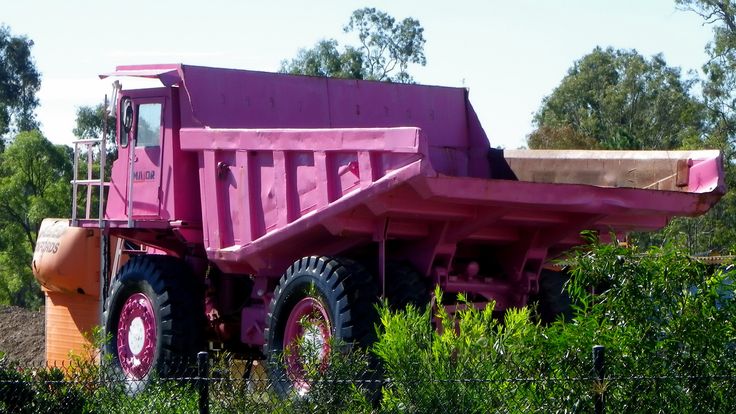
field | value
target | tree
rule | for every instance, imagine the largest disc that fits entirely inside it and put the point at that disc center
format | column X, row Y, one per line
column 90, row 123
column 719, row 89
column 717, row 229
column 618, row 99
column 19, row 83
column 561, row 137
column 387, row 47
column 325, row 60
column 34, row 184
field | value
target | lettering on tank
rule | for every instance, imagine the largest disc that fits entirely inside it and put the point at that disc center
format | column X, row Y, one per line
column 48, row 239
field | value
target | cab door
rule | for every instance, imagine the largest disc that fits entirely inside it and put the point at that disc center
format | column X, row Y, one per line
column 146, row 140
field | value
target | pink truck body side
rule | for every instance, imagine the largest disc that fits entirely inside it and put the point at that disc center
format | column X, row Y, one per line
column 270, row 168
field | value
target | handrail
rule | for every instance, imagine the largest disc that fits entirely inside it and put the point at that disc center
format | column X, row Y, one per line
column 90, row 181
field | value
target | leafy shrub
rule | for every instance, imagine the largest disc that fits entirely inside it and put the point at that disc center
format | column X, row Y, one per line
column 473, row 363
column 666, row 322
column 665, row 319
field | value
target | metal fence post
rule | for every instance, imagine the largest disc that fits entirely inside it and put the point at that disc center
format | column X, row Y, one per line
column 203, row 374
column 599, row 365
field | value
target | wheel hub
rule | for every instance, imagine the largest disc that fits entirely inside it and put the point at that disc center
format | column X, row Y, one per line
column 306, row 340
column 136, row 336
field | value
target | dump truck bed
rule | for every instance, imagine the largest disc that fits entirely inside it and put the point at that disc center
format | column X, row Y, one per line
column 291, row 193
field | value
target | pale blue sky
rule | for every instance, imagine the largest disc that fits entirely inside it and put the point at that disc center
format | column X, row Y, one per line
column 510, row 54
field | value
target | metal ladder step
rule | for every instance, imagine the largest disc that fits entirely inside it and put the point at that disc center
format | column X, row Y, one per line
column 90, row 182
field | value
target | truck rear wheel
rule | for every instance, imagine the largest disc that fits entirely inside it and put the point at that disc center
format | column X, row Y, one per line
column 554, row 302
column 318, row 300
column 153, row 317
column 405, row 286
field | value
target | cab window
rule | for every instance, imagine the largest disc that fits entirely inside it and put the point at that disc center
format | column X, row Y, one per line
column 149, row 125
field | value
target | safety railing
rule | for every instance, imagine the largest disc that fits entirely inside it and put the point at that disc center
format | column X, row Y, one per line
column 90, row 181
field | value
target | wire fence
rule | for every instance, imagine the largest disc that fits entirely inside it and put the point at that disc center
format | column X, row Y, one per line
column 216, row 383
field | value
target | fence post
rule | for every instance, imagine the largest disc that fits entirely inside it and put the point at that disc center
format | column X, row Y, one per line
column 599, row 365
column 203, row 375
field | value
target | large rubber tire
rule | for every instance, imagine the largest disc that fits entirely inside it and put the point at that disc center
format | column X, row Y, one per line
column 338, row 290
column 155, row 319
column 405, row 286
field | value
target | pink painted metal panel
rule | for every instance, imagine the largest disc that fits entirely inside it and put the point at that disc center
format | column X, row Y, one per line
column 401, row 183
column 148, row 158
column 571, row 197
column 162, row 187
column 227, row 98
column 168, row 74
column 286, row 182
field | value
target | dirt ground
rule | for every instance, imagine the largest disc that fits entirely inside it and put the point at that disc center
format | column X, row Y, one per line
column 22, row 335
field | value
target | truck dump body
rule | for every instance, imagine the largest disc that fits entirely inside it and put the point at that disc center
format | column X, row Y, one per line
column 299, row 192
column 291, row 166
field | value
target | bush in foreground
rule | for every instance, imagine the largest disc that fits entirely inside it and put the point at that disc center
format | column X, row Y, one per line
column 666, row 322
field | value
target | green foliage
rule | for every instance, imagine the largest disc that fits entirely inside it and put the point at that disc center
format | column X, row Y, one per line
column 162, row 396
column 326, row 60
column 19, row 83
column 388, row 46
column 34, row 184
column 38, row 391
column 560, row 137
column 716, row 231
column 386, row 49
column 474, row 362
column 666, row 322
column 618, row 99
column 90, row 123
column 719, row 87
column 659, row 315
column 332, row 386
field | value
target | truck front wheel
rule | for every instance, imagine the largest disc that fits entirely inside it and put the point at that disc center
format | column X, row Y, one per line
column 319, row 300
column 152, row 317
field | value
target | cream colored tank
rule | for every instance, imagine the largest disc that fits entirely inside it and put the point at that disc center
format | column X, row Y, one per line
column 67, row 259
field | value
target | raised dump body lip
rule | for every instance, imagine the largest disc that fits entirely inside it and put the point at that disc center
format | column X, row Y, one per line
column 656, row 170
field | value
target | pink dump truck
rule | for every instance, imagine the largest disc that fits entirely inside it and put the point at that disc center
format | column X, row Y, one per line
column 242, row 204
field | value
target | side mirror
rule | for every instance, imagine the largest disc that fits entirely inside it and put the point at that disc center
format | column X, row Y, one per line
column 126, row 120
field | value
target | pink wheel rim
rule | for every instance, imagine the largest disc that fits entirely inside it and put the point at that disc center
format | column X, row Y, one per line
column 306, row 337
column 136, row 336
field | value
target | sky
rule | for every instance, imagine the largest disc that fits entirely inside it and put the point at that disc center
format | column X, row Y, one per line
column 510, row 54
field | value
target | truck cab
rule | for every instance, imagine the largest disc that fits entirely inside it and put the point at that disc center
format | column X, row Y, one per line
column 152, row 182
